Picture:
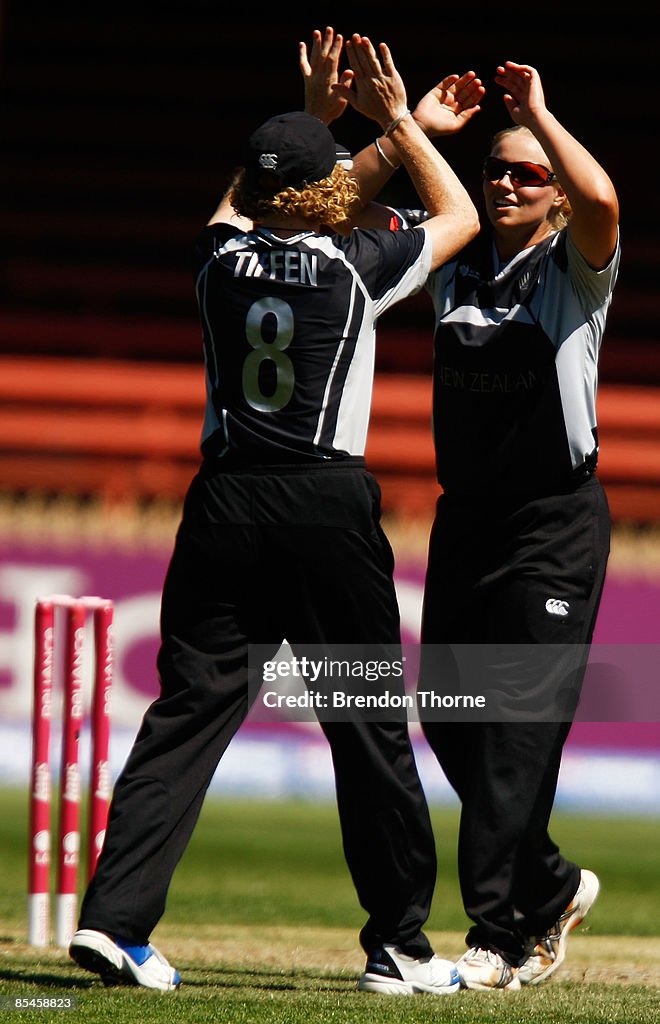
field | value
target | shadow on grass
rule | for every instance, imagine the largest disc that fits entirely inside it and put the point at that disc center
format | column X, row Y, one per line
column 44, row 978
column 264, row 979
column 193, row 978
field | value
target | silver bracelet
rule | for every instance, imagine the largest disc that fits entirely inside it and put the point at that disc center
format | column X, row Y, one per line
column 381, row 153
column 394, row 124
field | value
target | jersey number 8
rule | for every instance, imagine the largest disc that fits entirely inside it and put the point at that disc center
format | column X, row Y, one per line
column 268, row 350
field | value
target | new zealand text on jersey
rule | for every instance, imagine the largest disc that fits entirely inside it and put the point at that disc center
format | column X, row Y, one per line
column 485, row 381
column 287, row 265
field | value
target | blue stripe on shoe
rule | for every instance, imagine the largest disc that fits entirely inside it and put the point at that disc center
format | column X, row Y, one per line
column 139, row 954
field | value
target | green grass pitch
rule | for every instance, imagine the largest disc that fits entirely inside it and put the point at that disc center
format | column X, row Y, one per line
column 262, row 922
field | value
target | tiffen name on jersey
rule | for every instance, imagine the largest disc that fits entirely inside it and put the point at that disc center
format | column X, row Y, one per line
column 288, row 266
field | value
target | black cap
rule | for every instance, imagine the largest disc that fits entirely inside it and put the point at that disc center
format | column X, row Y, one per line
column 291, row 150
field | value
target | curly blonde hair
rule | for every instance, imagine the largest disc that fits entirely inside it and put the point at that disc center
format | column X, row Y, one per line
column 559, row 216
column 330, row 200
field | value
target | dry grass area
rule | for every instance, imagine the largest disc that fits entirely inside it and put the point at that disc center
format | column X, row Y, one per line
column 62, row 520
column 621, row 960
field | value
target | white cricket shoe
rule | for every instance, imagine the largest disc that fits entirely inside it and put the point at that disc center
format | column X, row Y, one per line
column 119, row 963
column 393, row 973
column 550, row 949
column 483, row 969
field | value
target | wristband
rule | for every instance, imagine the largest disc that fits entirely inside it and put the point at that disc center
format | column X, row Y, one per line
column 395, row 123
column 381, row 153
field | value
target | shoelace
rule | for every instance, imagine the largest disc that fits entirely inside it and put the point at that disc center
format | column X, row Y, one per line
column 496, row 961
column 480, row 953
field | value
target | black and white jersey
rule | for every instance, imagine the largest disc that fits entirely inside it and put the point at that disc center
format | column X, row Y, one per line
column 516, row 368
column 289, row 336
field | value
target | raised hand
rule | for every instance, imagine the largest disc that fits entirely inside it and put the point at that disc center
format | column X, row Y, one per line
column 377, row 89
column 320, row 71
column 449, row 106
column 523, row 97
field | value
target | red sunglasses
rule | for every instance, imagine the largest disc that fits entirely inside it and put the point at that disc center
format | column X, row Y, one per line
column 520, row 172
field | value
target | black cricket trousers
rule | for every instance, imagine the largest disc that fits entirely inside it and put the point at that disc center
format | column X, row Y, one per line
column 492, row 577
column 263, row 555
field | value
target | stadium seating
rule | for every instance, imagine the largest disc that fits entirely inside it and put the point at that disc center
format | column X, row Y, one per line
column 105, row 186
column 129, row 430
